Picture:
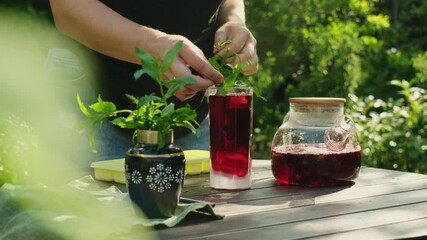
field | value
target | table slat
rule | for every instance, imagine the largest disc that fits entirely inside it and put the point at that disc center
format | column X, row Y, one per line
column 291, row 215
column 381, row 203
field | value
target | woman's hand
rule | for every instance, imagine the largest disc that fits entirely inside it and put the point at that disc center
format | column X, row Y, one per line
column 242, row 47
column 190, row 56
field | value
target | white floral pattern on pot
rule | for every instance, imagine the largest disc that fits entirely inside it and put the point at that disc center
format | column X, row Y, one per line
column 127, row 173
column 136, row 177
column 159, row 177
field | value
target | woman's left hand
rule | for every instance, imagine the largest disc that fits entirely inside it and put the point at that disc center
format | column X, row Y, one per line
column 242, row 47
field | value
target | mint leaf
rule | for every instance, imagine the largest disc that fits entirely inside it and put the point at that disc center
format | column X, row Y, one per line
column 82, row 107
column 138, row 74
column 256, row 92
column 106, row 108
column 144, row 100
column 168, row 110
column 132, row 98
column 221, row 45
column 124, row 123
column 177, row 83
column 184, row 113
column 214, row 62
column 165, row 116
column 92, row 140
column 150, row 65
column 170, row 56
column 232, row 73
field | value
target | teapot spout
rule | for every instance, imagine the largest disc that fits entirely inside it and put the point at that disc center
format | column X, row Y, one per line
column 336, row 137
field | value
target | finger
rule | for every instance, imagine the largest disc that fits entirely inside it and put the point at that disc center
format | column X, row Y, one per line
column 187, row 90
column 167, row 76
column 252, row 69
column 201, row 85
column 184, row 93
column 200, row 64
column 220, row 36
column 238, row 42
column 248, row 57
column 179, row 69
column 245, row 57
column 232, row 48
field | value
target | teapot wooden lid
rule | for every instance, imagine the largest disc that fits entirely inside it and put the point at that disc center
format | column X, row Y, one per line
column 317, row 100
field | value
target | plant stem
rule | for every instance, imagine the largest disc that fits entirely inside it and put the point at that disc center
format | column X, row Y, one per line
column 161, row 89
column 123, row 111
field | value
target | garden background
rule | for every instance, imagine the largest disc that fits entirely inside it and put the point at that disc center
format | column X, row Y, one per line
column 373, row 53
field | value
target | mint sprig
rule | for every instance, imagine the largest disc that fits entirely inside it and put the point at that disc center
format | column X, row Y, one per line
column 151, row 112
column 233, row 73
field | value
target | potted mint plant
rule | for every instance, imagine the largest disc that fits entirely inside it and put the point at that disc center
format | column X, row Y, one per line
column 154, row 166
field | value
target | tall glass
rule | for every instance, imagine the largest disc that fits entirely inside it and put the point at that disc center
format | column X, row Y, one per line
column 230, row 114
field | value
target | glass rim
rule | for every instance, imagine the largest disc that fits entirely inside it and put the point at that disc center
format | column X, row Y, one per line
column 243, row 86
column 232, row 90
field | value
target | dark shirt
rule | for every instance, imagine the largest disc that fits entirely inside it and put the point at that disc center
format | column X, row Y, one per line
column 194, row 19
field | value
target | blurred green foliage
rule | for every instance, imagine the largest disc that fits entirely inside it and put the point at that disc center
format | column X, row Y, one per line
column 369, row 51
column 33, row 8
column 393, row 132
column 310, row 48
column 17, row 141
column 347, row 48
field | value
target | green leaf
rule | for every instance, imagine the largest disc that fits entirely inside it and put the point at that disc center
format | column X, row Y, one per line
column 92, row 139
column 168, row 110
column 82, row 125
column 170, row 56
column 149, row 65
column 120, row 121
column 184, row 113
column 125, row 123
column 107, row 108
column 132, row 98
column 190, row 126
column 256, row 91
column 144, row 100
column 164, row 119
column 138, row 74
column 176, row 84
column 82, row 107
column 161, row 140
column 221, row 45
column 214, row 62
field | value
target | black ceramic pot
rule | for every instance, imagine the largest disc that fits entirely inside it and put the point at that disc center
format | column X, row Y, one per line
column 155, row 177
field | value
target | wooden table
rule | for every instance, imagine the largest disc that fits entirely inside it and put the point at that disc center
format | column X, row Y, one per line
column 382, row 204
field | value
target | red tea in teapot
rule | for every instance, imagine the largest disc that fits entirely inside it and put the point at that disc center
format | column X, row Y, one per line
column 314, row 165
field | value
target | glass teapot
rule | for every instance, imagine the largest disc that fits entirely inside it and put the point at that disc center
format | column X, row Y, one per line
column 317, row 145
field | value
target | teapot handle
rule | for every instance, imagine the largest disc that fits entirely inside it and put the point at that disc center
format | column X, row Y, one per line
column 336, row 137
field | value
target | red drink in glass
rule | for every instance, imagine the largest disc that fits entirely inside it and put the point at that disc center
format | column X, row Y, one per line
column 314, row 165
column 230, row 140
